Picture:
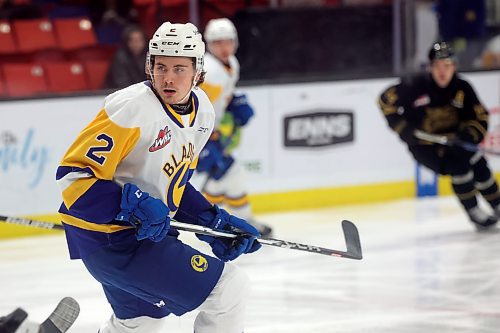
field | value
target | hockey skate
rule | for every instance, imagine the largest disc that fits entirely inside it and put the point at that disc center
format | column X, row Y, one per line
column 482, row 220
column 59, row 321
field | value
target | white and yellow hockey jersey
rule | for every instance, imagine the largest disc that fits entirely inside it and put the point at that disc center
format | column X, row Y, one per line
column 220, row 83
column 136, row 139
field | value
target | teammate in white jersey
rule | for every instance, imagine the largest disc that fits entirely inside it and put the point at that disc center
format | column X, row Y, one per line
column 226, row 183
column 127, row 174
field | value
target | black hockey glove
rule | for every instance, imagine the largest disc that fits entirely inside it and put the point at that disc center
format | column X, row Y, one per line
column 470, row 134
column 408, row 135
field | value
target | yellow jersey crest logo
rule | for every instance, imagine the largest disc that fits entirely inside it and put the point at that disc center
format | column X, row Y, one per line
column 199, row 263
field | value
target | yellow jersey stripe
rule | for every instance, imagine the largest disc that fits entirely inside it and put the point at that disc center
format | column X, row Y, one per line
column 192, row 115
column 214, row 199
column 174, row 114
column 237, row 202
column 213, row 91
column 82, row 224
column 76, row 190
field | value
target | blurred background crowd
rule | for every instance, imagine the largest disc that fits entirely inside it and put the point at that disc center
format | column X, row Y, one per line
column 54, row 47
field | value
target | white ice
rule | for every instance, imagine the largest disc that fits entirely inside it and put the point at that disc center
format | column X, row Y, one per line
column 425, row 269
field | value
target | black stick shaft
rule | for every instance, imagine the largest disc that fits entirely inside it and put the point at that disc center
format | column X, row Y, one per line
column 31, row 223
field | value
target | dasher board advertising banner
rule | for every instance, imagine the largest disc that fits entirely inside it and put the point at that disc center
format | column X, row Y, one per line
column 303, row 136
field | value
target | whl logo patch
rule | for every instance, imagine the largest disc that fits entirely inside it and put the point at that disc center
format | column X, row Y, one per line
column 163, row 139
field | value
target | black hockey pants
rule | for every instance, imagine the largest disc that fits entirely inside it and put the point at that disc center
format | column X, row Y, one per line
column 469, row 172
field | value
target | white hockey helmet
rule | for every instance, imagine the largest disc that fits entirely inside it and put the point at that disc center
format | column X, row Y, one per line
column 220, row 29
column 178, row 40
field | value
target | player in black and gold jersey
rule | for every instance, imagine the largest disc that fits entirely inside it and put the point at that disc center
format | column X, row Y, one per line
column 441, row 102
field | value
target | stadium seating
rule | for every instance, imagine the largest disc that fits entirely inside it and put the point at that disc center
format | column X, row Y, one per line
column 34, row 35
column 99, row 52
column 42, row 57
column 23, row 80
column 74, row 33
column 65, row 76
column 96, row 71
column 7, row 39
column 3, row 91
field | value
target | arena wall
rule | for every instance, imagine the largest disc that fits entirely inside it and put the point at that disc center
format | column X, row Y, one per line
column 310, row 145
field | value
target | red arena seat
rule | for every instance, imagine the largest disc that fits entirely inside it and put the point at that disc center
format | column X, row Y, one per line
column 3, row 90
column 7, row 39
column 65, row 76
column 74, row 33
column 34, row 35
column 24, row 80
column 96, row 71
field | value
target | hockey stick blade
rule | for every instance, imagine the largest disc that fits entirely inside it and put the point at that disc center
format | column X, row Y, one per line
column 351, row 236
column 352, row 241
column 61, row 319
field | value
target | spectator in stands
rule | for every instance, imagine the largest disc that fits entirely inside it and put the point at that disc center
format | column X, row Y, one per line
column 111, row 17
column 127, row 66
column 121, row 12
column 9, row 10
column 463, row 22
column 490, row 57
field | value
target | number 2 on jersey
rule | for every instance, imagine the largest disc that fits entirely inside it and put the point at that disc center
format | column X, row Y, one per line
column 93, row 152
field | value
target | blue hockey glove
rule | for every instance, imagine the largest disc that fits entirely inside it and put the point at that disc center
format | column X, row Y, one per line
column 227, row 249
column 212, row 153
column 149, row 215
column 240, row 109
column 213, row 160
column 220, row 168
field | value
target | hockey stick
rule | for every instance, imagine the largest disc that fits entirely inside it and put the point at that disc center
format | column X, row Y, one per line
column 59, row 321
column 351, row 236
column 445, row 141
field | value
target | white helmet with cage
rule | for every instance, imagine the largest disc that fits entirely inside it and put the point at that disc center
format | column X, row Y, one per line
column 220, row 29
column 177, row 40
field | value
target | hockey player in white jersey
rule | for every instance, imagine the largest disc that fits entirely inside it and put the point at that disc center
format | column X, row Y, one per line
column 225, row 177
column 127, row 174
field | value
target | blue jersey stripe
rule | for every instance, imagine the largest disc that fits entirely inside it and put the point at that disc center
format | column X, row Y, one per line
column 64, row 170
column 99, row 204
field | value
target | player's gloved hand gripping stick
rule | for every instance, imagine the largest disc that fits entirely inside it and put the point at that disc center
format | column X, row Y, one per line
column 452, row 142
column 225, row 248
column 149, row 215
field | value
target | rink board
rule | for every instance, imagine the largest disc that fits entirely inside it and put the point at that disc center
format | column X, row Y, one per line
column 310, row 145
